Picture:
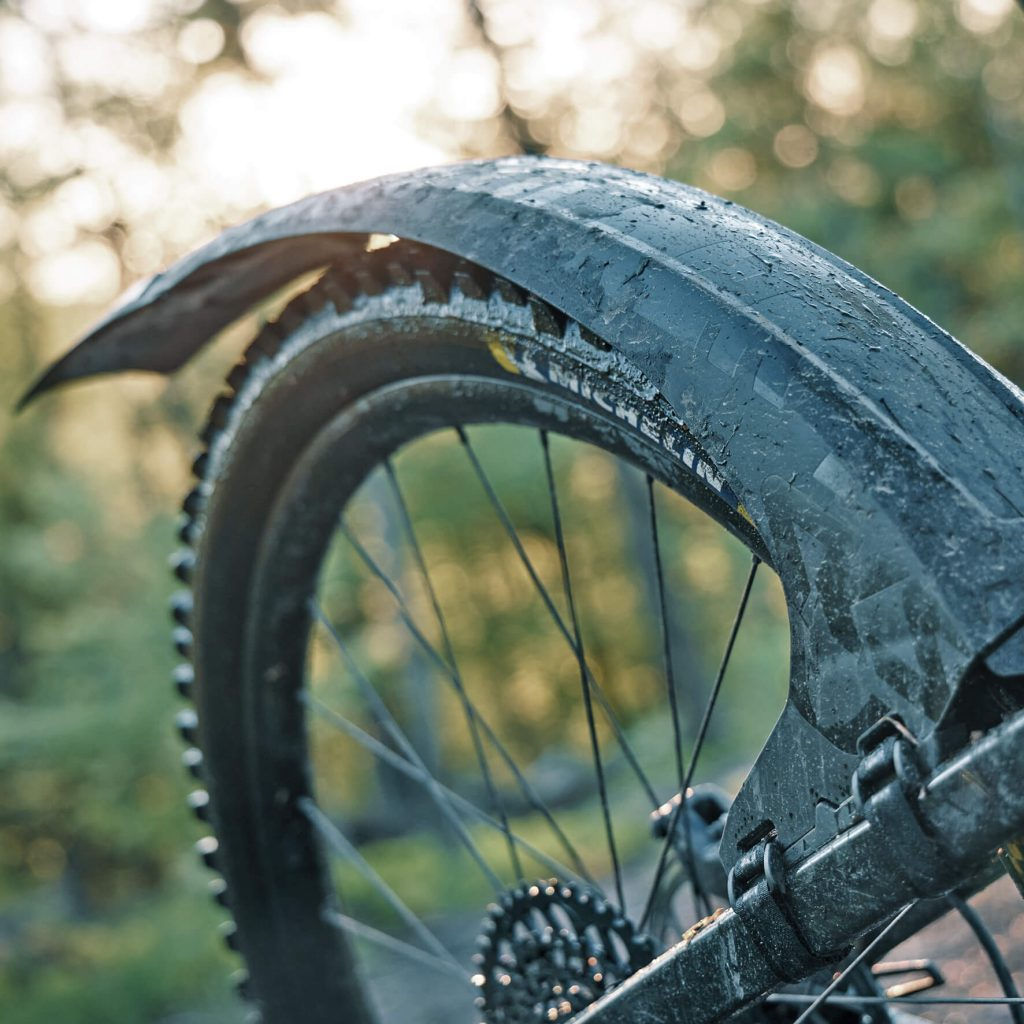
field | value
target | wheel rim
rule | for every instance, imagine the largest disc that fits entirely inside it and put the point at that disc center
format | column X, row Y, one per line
column 555, row 599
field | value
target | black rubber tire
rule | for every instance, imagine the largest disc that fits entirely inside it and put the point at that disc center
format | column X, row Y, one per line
column 406, row 313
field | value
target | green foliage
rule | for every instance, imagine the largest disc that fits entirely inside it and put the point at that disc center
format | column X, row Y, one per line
column 913, row 173
column 143, row 963
column 92, row 834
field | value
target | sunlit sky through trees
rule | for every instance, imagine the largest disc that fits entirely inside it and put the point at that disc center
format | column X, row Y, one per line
column 131, row 131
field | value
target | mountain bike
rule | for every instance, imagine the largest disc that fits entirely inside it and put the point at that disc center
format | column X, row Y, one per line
column 410, row 517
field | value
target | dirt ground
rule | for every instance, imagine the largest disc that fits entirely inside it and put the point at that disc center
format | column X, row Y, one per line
column 967, row 970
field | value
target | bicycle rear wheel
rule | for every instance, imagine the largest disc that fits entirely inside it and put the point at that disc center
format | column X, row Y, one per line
column 389, row 741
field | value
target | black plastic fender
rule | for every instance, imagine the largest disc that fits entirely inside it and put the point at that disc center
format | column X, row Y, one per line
column 880, row 461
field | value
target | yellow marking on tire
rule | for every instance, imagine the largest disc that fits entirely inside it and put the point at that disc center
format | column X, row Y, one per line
column 501, row 354
column 1012, row 856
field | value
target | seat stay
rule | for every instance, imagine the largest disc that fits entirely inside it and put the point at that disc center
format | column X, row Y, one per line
column 843, row 891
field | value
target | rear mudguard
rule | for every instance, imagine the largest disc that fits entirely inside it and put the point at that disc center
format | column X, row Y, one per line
column 880, row 461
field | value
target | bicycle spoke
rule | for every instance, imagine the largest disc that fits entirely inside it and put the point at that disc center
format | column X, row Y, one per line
column 860, row 958
column 336, row 839
column 666, row 638
column 410, row 771
column 800, row 998
column 531, row 795
column 720, row 675
column 387, row 720
column 670, row 685
column 496, row 802
column 988, row 943
column 371, row 934
column 702, row 732
column 588, row 705
column 549, row 604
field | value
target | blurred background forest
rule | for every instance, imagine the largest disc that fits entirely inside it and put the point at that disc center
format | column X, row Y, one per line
column 889, row 131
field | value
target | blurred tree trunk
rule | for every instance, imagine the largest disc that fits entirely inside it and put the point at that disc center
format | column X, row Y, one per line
column 24, row 453
column 517, row 127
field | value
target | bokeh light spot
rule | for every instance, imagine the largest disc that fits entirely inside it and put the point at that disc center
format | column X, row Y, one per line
column 88, row 272
column 701, row 113
column 200, row 41
column 733, row 169
column 983, row 16
column 795, row 145
column 837, row 80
